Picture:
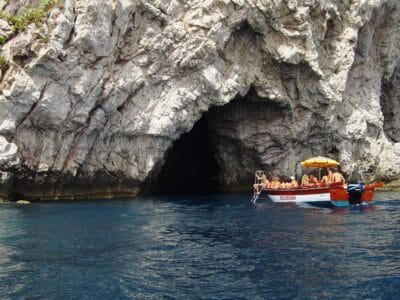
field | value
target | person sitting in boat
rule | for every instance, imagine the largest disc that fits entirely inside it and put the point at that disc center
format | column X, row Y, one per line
column 324, row 180
column 329, row 176
column 293, row 183
column 338, row 177
column 327, row 179
column 265, row 183
column 275, row 184
column 313, row 180
column 282, row 184
column 287, row 183
column 305, row 180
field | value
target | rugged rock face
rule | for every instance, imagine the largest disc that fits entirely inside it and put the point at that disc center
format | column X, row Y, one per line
column 94, row 99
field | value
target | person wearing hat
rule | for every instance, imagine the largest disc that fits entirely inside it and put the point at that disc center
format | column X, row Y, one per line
column 293, row 183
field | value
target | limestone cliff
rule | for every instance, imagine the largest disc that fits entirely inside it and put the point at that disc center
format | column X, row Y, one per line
column 93, row 99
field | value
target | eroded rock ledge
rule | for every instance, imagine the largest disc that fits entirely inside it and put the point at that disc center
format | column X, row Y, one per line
column 93, row 100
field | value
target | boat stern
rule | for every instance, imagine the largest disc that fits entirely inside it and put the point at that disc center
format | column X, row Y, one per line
column 339, row 195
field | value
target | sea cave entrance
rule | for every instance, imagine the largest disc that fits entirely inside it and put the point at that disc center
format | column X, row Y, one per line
column 190, row 167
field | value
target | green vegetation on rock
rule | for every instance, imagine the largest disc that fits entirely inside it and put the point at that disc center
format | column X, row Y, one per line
column 3, row 63
column 29, row 16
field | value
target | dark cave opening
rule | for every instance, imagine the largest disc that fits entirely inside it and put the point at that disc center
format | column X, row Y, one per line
column 190, row 166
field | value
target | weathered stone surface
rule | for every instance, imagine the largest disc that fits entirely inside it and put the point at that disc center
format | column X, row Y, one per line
column 6, row 181
column 8, row 153
column 95, row 97
column 8, row 159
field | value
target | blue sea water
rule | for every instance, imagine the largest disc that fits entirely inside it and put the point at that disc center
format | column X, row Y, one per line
column 208, row 247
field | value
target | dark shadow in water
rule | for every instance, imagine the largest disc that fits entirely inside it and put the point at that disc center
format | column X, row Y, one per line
column 190, row 165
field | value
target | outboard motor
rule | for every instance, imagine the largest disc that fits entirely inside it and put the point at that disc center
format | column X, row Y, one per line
column 355, row 190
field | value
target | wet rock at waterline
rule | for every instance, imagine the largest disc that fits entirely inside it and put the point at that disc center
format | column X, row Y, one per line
column 94, row 100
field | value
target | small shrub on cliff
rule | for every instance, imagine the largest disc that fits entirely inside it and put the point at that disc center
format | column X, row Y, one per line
column 2, row 39
column 3, row 63
column 47, row 4
column 29, row 16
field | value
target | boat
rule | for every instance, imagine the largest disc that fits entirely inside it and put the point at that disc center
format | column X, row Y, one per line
column 336, row 194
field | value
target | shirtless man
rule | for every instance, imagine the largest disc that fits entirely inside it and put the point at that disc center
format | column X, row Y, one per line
column 327, row 179
column 324, row 180
column 338, row 177
column 329, row 176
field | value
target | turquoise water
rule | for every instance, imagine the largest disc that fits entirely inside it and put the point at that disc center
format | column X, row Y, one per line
column 214, row 247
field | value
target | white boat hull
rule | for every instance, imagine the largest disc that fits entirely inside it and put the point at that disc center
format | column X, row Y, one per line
column 299, row 195
column 323, row 197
